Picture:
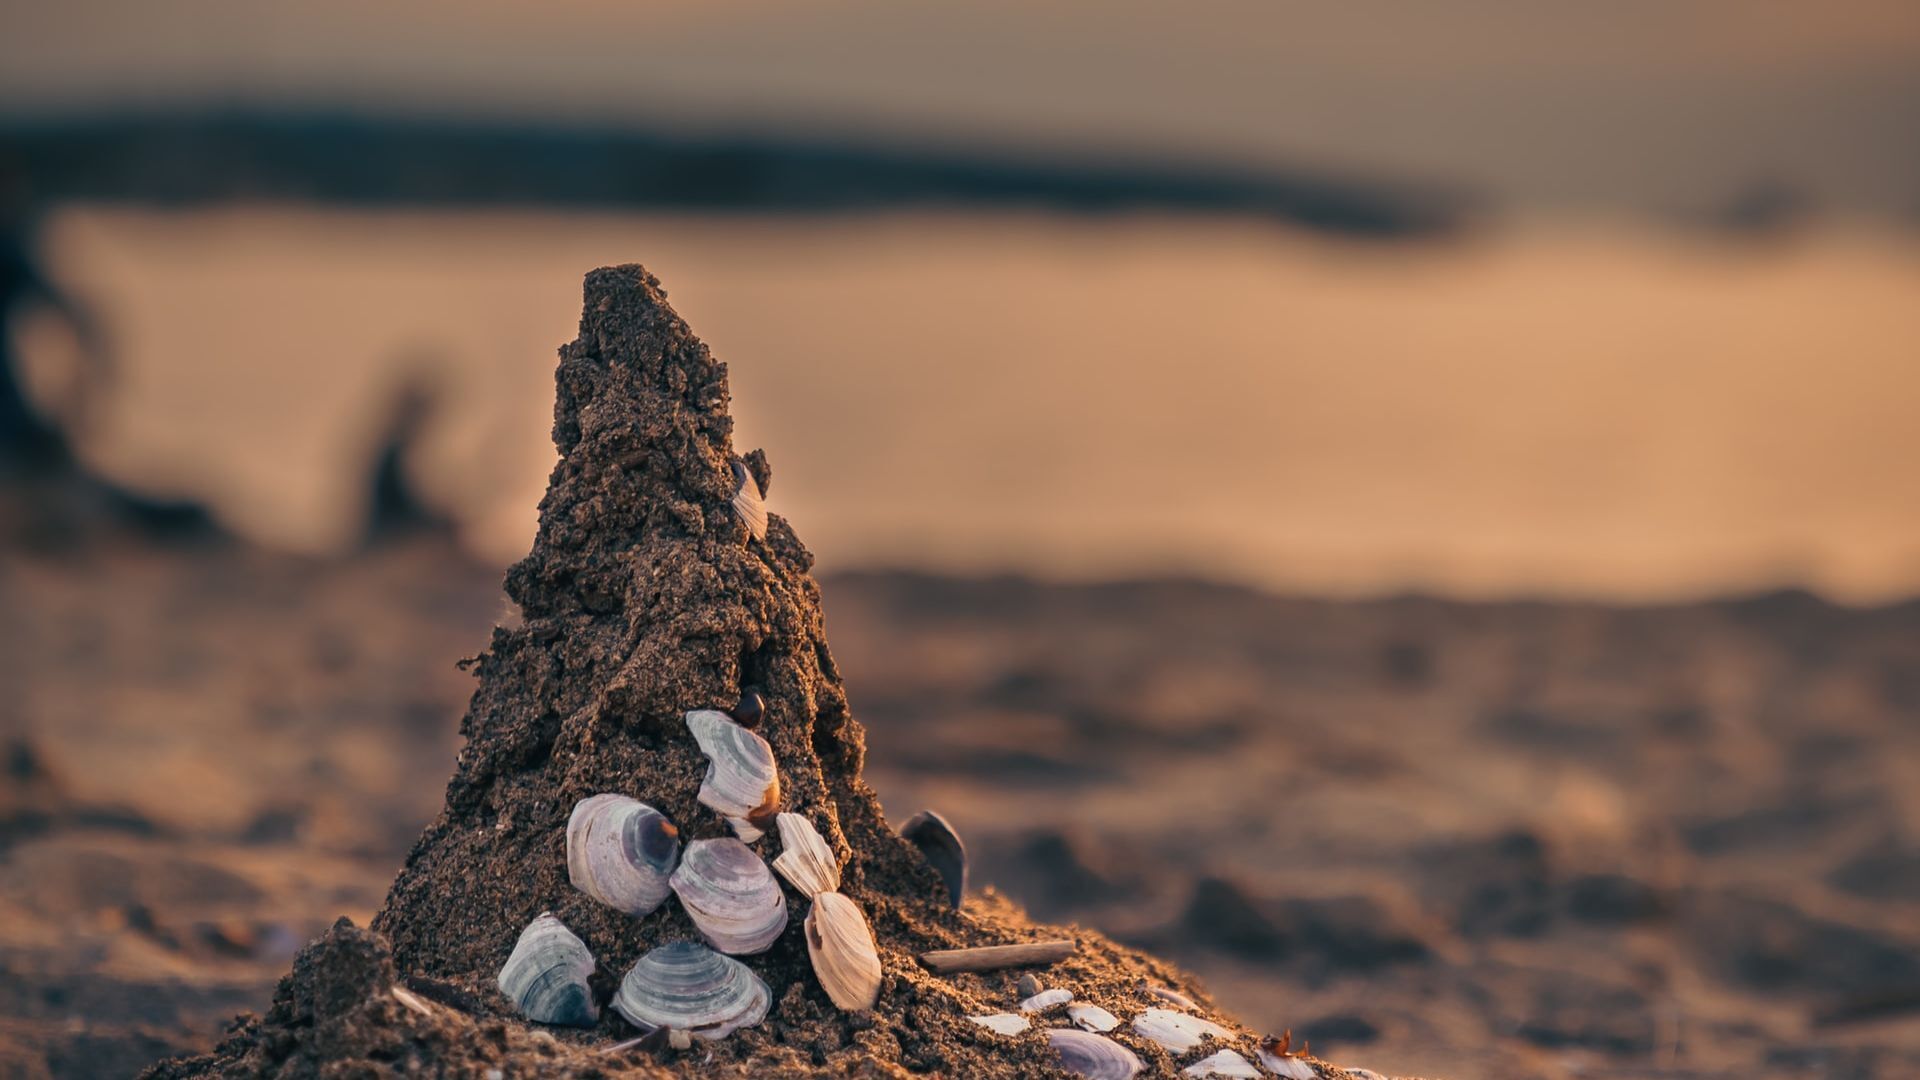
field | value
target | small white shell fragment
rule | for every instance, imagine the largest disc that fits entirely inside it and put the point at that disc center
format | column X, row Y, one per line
column 1173, row 997
column 805, row 858
column 1224, row 1063
column 1003, row 1023
column 1363, row 1074
column 1094, row 1057
column 748, row 501
column 840, row 945
column 1176, row 1031
column 1092, row 1017
column 1047, row 999
column 1273, row 1053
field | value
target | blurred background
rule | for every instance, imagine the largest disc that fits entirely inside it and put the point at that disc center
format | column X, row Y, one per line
column 1406, row 509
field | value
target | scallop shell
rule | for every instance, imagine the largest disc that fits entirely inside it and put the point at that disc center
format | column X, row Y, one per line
column 1176, row 1031
column 687, row 987
column 840, row 944
column 941, row 846
column 805, row 859
column 1046, row 999
column 1003, row 1023
column 731, row 895
column 1225, row 1063
column 748, row 500
column 1092, row 1017
column 546, row 975
column 742, row 782
column 621, row 852
column 1094, row 1056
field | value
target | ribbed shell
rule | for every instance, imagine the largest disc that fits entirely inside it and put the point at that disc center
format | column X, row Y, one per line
column 805, row 858
column 546, row 975
column 1093, row 1056
column 688, row 987
column 621, row 852
column 742, row 781
column 731, row 895
column 840, row 944
column 748, row 501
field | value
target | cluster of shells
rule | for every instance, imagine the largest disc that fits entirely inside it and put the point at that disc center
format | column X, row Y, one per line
column 627, row 855
column 1085, row 1050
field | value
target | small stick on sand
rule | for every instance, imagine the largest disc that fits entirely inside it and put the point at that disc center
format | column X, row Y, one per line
column 993, row 957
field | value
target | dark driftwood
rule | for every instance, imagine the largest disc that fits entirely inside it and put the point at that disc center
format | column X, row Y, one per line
column 992, row 957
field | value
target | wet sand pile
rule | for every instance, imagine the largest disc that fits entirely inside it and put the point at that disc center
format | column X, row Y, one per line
column 646, row 596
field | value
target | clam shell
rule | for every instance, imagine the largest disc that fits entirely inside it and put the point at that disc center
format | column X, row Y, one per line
column 1092, row 1017
column 546, row 975
column 1225, row 1063
column 840, row 944
column 731, row 895
column 1094, row 1056
column 742, row 781
column 1173, row 996
column 941, row 846
column 1003, row 1023
column 1289, row 1066
column 621, row 852
column 1176, row 1031
column 687, row 987
column 749, row 501
column 1046, row 999
column 805, row 858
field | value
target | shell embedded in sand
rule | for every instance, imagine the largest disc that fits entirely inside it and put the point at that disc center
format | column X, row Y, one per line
column 1225, row 1063
column 1003, row 1023
column 1092, row 1017
column 742, row 781
column 1176, row 1031
column 688, row 988
column 1174, row 997
column 621, row 852
column 840, row 944
column 940, row 844
column 1093, row 1056
column 731, row 895
column 805, row 859
column 1046, row 999
column 1279, row 1055
column 546, row 975
column 749, row 501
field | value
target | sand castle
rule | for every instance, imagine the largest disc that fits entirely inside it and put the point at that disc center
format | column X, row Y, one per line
column 658, row 592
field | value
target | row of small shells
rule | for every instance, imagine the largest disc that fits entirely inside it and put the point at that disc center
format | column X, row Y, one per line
column 627, row 855
column 1084, row 1049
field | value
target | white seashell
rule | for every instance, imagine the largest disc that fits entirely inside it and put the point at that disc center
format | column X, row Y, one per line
column 840, row 944
column 1004, row 1023
column 1279, row 1056
column 805, row 859
column 731, row 895
column 621, row 852
column 688, row 988
column 1093, row 1056
column 742, row 782
column 546, row 975
column 748, row 500
column 1224, row 1063
column 1173, row 997
column 940, row 845
column 1046, row 999
column 1363, row 1074
column 1176, row 1031
column 1092, row 1017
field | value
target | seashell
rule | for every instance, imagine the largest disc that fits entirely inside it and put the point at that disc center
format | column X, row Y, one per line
column 749, row 500
column 546, row 975
column 742, row 781
column 1094, row 1056
column 1046, row 999
column 731, row 894
column 1173, row 997
column 1176, row 1031
column 621, row 852
column 750, row 710
column 1280, row 1056
column 1363, row 1074
column 1028, row 985
column 941, row 846
column 840, row 944
column 1004, row 1023
column 1224, row 1063
column 690, row 989
column 1092, row 1017
column 805, row 860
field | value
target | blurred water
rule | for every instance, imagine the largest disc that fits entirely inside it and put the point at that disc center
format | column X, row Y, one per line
column 1588, row 409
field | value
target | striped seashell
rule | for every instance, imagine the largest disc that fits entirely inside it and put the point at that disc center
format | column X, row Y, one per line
column 689, row 989
column 840, row 944
column 742, row 782
column 749, row 502
column 1093, row 1056
column 621, row 852
column 805, row 859
column 731, row 895
column 546, row 975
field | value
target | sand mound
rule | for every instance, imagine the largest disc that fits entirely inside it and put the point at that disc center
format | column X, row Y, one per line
column 645, row 596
